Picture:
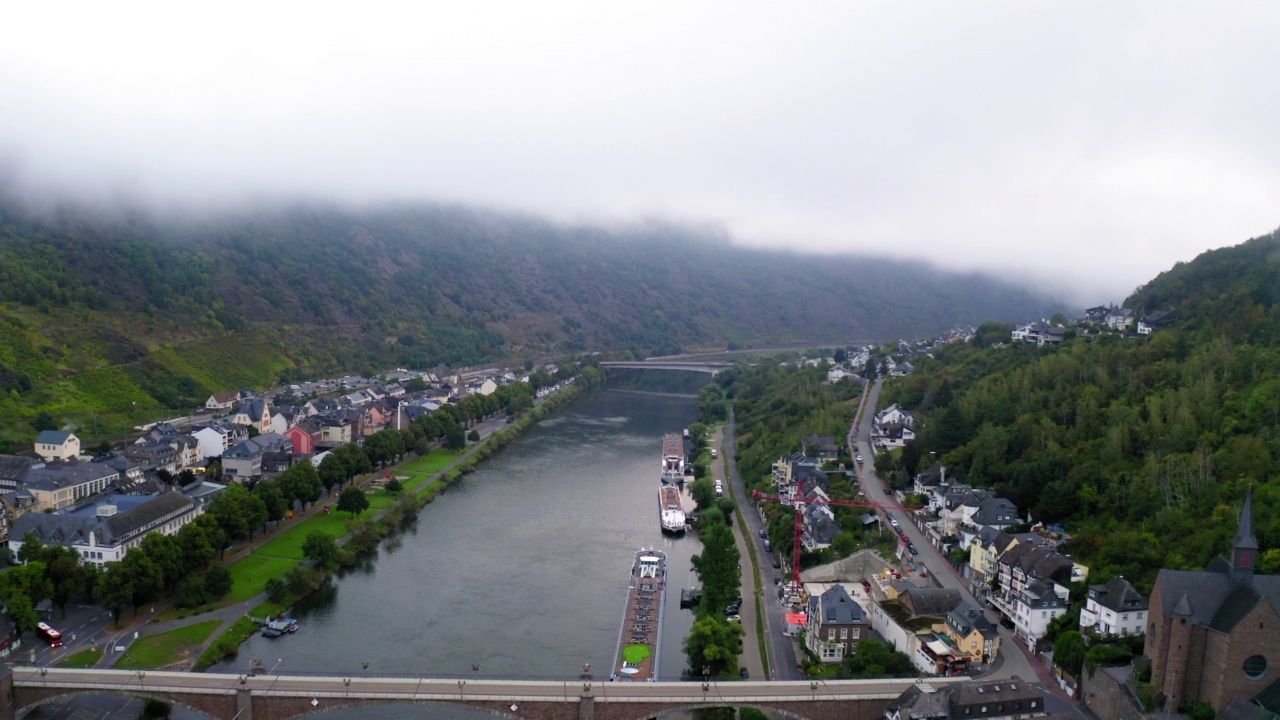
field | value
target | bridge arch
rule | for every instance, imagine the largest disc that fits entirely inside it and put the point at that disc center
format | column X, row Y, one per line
column 59, row 697
column 771, row 712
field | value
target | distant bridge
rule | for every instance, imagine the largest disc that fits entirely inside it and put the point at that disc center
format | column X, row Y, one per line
column 280, row 697
column 688, row 365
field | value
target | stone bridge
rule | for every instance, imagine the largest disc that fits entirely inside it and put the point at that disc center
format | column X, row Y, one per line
column 278, row 697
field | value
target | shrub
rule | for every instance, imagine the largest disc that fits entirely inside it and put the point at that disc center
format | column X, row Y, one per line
column 276, row 590
column 304, row 580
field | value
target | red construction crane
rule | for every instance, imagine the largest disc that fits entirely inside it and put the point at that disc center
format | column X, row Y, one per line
column 798, row 503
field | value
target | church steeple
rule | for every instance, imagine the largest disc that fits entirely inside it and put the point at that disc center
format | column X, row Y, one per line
column 1244, row 548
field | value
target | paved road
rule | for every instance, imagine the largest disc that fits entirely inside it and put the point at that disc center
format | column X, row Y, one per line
column 1014, row 658
column 418, row 688
column 781, row 649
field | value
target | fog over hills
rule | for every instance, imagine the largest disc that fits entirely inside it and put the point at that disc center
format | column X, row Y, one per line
column 498, row 283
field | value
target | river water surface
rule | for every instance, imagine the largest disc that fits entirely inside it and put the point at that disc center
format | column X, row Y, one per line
column 520, row 568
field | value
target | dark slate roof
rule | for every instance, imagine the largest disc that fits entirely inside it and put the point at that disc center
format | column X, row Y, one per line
column 965, row 618
column 53, row 437
column 54, row 529
column 1041, row 595
column 257, row 445
column 127, row 522
column 16, row 467
column 930, row 601
column 1118, row 595
column 994, row 692
column 1214, row 601
column 932, row 476
column 70, row 473
column 836, row 607
column 995, row 511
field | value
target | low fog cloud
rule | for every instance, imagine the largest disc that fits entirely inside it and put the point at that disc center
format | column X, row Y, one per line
column 1083, row 147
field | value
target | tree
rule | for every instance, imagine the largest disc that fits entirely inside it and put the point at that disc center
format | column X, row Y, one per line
column 704, row 492
column 840, row 356
column 455, row 438
column 44, row 421
column 272, row 499
column 67, row 578
column 321, row 549
column 191, row 592
column 416, row 385
column 332, row 470
column 717, row 566
column 115, row 590
column 875, row 658
column 474, row 436
column 276, row 590
column 713, row 645
column 394, row 486
column 1068, row 652
column 353, row 500
column 197, row 551
column 165, row 552
column 22, row 611
column 218, row 581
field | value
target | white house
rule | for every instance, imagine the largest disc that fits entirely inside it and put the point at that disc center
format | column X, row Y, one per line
column 1114, row 608
column 107, row 534
column 57, row 445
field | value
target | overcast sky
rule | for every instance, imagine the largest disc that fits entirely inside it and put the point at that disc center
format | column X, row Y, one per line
column 1083, row 146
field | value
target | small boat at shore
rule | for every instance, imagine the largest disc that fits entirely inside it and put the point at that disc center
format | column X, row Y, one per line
column 638, row 641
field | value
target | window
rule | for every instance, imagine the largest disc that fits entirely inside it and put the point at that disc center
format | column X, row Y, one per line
column 844, row 633
column 1255, row 667
column 831, row 633
column 857, row 633
column 1033, row 703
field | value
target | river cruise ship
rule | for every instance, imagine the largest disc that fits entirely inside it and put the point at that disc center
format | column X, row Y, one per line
column 670, row 510
column 638, row 641
column 672, row 459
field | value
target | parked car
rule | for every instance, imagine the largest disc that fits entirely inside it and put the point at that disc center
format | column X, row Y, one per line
column 1005, row 621
column 742, row 672
column 764, row 533
column 858, row 457
column 912, row 549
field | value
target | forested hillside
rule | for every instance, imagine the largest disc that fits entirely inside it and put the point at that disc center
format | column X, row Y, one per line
column 1142, row 447
column 108, row 315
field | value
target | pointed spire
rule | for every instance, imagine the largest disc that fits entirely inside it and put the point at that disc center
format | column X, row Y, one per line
column 1183, row 607
column 1244, row 547
column 1244, row 533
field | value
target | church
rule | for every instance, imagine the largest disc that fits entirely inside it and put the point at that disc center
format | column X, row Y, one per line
column 1214, row 635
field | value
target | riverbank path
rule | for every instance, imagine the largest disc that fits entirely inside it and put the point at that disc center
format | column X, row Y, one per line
column 751, row 658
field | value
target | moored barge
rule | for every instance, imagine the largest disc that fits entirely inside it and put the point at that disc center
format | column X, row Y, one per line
column 639, row 639
column 672, row 459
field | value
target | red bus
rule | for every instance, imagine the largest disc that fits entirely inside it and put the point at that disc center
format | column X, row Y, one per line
column 49, row 635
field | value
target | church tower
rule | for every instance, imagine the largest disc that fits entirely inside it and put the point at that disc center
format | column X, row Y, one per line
column 1244, row 547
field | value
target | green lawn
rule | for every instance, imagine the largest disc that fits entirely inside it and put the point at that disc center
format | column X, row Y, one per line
column 431, row 464
column 157, row 651
column 250, row 576
column 83, row 659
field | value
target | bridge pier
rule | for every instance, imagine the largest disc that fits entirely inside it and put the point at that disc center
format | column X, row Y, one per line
column 244, row 705
column 6, row 692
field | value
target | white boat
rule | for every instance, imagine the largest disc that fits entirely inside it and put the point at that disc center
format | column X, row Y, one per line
column 670, row 510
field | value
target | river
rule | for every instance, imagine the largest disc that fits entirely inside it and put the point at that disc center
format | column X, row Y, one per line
column 520, row 568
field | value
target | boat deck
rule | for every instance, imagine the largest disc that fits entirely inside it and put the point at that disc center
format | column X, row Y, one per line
column 638, row 642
